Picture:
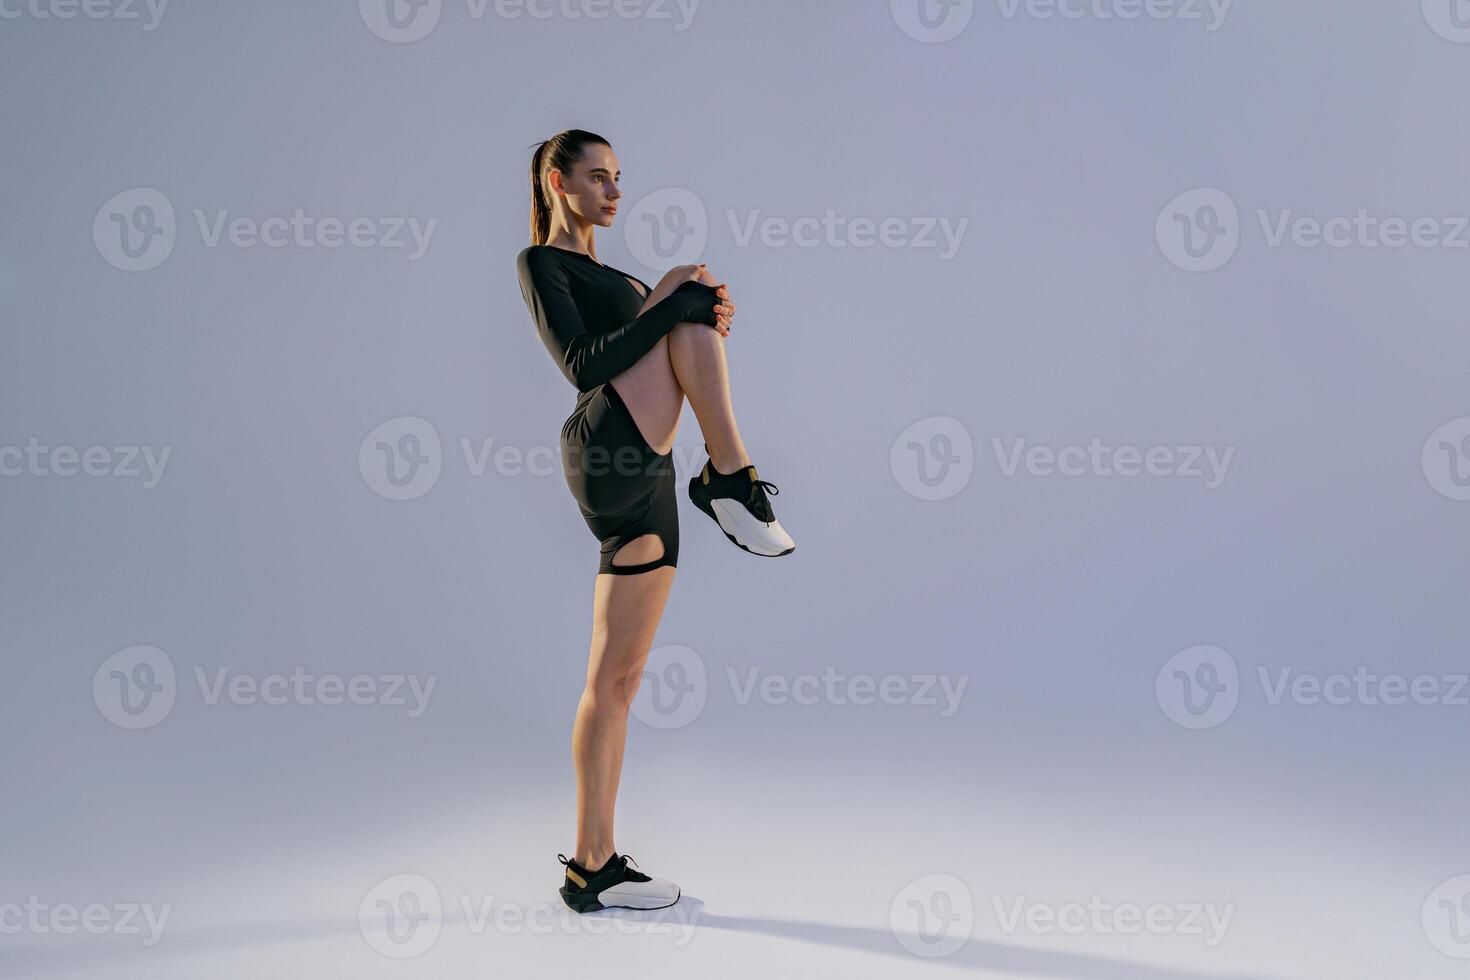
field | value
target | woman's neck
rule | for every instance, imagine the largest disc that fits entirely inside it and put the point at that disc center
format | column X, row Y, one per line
column 573, row 242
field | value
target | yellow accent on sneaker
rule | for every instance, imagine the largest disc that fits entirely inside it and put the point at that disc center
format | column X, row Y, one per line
column 576, row 878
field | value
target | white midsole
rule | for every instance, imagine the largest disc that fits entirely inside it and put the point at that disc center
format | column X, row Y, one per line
column 763, row 539
column 636, row 893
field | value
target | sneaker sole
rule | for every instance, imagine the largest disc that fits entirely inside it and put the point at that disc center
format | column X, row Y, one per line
column 704, row 506
column 589, row 903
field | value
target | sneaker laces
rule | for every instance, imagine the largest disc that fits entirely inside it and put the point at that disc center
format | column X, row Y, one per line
column 757, row 499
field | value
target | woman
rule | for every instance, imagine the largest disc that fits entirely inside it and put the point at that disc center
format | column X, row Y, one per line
column 633, row 354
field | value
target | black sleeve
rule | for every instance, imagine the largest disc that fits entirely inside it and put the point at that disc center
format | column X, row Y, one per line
column 586, row 359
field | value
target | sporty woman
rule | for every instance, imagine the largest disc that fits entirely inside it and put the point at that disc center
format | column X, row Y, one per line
column 633, row 354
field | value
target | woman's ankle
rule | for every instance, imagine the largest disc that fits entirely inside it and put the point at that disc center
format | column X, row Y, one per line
column 594, row 858
column 727, row 465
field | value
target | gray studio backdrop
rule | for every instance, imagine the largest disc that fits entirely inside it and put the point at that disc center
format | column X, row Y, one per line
column 1110, row 358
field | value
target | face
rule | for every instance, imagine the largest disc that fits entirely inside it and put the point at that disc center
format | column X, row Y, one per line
column 591, row 189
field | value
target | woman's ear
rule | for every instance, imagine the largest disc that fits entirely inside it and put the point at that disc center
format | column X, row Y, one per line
column 553, row 179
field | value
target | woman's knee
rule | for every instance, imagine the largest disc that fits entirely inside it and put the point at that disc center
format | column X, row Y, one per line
column 614, row 690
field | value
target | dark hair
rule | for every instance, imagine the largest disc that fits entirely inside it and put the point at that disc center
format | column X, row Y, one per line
column 558, row 153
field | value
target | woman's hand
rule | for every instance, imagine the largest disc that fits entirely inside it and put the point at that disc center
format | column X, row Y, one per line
column 725, row 309
column 679, row 274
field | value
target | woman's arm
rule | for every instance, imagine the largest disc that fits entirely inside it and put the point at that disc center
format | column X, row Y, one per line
column 588, row 360
column 725, row 307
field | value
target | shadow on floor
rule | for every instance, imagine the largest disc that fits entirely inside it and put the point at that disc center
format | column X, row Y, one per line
column 688, row 913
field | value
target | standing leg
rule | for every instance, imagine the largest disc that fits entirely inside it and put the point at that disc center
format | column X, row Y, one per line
column 625, row 613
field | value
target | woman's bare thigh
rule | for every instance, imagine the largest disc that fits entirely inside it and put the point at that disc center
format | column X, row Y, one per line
column 625, row 614
column 653, row 394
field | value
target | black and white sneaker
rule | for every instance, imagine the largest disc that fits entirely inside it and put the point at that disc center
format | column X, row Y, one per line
column 614, row 885
column 737, row 503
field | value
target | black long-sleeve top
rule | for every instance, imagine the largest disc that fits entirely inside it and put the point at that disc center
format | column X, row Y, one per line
column 587, row 312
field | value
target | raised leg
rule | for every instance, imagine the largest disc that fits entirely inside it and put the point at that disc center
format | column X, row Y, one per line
column 689, row 361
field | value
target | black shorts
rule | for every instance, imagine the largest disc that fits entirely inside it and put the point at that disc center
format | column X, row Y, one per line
column 623, row 488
